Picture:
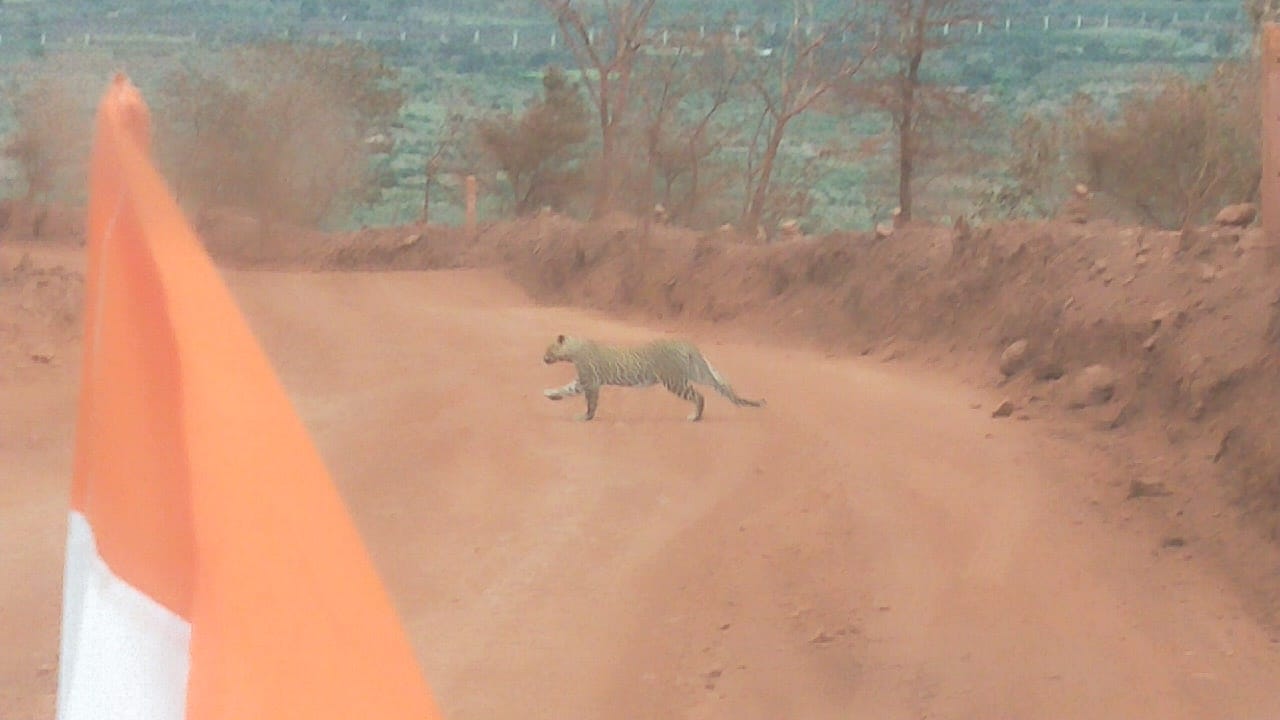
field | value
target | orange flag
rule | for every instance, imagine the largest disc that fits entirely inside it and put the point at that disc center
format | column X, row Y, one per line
column 212, row 571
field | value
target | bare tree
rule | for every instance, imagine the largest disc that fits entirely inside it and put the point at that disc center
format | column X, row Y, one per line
column 683, row 91
column 663, row 87
column 789, row 82
column 607, row 63
column 1043, row 160
column 446, row 152
column 912, row 29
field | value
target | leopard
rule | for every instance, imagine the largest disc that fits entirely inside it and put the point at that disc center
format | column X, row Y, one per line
column 676, row 364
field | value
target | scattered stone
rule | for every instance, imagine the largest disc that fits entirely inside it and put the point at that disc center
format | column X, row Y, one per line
column 1099, row 266
column 1050, row 370
column 1118, row 417
column 44, row 356
column 1150, row 343
column 1014, row 357
column 1207, row 273
column 888, row 349
column 24, row 266
column 1140, row 489
column 789, row 228
column 822, row 638
column 1224, row 445
column 1095, row 385
column 1076, row 211
column 1189, row 238
column 883, row 230
column 1076, row 207
column 1228, row 235
column 1162, row 315
column 1238, row 215
column 1173, row 541
column 1004, row 409
column 1197, row 410
column 1193, row 365
column 410, row 240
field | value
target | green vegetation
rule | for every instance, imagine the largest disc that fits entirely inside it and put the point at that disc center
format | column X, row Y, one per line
column 464, row 80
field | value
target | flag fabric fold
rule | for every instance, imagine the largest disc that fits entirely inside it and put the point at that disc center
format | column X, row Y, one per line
column 212, row 570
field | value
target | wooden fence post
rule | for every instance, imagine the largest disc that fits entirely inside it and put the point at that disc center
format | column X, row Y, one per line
column 1270, row 188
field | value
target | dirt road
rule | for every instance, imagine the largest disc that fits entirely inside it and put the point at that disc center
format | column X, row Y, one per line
column 870, row 545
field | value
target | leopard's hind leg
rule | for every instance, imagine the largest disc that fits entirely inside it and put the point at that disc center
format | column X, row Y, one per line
column 688, row 392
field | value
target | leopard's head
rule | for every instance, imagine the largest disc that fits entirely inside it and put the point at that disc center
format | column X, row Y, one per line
column 561, row 350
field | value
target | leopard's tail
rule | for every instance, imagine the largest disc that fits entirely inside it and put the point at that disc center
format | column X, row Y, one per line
column 705, row 373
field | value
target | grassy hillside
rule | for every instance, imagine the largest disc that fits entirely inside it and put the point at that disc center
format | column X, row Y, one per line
column 495, row 51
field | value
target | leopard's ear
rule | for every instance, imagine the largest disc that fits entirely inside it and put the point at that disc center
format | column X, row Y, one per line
column 560, row 340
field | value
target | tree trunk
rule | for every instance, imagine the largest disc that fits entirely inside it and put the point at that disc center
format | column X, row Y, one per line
column 692, row 200
column 907, row 140
column 426, row 202
column 653, row 135
column 604, row 181
column 907, row 125
column 906, row 156
column 601, row 203
column 760, row 194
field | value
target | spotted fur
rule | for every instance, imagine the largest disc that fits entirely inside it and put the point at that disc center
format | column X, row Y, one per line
column 676, row 364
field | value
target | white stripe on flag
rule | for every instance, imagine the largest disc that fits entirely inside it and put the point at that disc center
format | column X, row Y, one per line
column 124, row 656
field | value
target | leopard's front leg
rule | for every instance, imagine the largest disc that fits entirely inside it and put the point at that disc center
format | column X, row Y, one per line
column 593, row 398
column 560, row 393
